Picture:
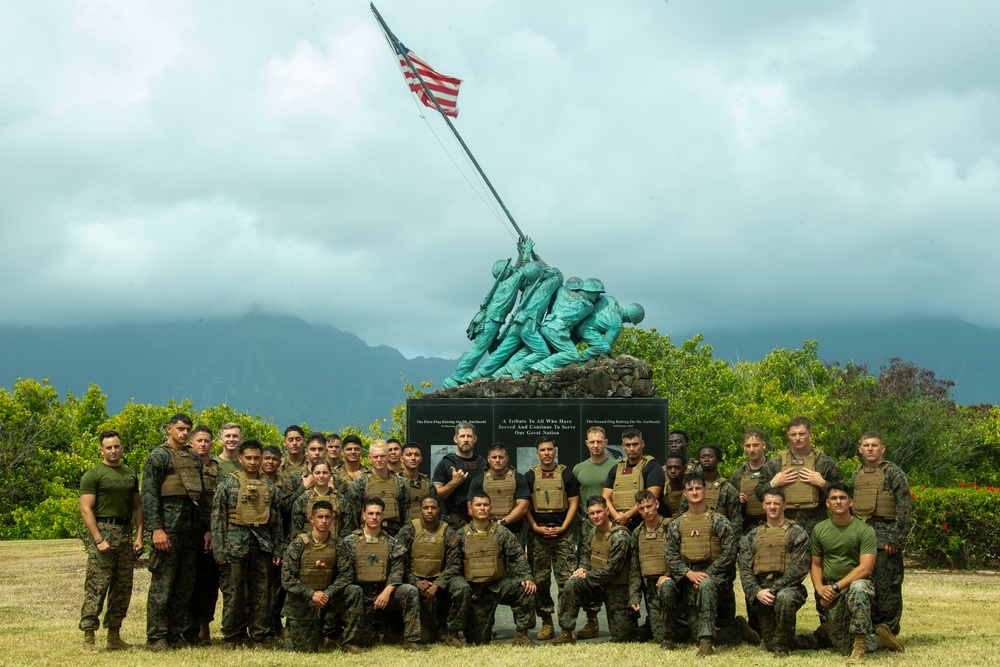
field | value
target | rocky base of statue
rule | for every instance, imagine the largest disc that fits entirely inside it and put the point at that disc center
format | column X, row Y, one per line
column 605, row 377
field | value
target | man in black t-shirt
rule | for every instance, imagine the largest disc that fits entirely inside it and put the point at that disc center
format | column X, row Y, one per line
column 454, row 474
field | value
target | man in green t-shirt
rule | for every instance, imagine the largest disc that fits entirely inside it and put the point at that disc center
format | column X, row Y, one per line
column 109, row 505
column 843, row 557
column 591, row 474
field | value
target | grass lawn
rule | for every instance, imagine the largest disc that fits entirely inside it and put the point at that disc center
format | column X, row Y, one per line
column 950, row 619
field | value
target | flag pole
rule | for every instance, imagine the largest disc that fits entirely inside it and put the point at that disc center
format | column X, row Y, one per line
column 398, row 48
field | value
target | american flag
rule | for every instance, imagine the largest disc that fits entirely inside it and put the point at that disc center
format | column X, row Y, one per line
column 444, row 87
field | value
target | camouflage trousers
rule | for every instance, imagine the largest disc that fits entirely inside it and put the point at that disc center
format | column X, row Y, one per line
column 276, row 599
column 701, row 606
column 656, row 612
column 205, row 595
column 171, row 582
column 245, row 596
column 583, row 531
column 306, row 624
column 849, row 615
column 109, row 576
column 888, row 581
column 455, row 598
column 777, row 622
column 359, row 623
column 580, row 591
column 482, row 610
column 546, row 556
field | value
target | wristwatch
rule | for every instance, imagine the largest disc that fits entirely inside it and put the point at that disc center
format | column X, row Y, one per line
column 503, row 522
column 835, row 587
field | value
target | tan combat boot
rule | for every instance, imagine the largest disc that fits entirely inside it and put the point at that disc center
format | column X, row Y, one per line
column 565, row 637
column 592, row 628
column 704, row 648
column 115, row 642
column 858, row 654
column 454, row 641
column 204, row 634
column 89, row 645
column 885, row 639
column 750, row 635
column 521, row 638
column 547, row 630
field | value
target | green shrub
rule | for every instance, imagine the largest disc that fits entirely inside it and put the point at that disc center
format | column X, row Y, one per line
column 956, row 527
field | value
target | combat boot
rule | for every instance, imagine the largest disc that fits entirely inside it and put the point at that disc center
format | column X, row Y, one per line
column 750, row 635
column 413, row 646
column 547, row 630
column 704, row 648
column 204, row 634
column 521, row 638
column 565, row 637
column 115, row 642
column 668, row 644
column 453, row 640
column 858, row 654
column 591, row 629
column 885, row 639
column 89, row 645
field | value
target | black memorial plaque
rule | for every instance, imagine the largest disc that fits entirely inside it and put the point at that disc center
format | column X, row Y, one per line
column 518, row 423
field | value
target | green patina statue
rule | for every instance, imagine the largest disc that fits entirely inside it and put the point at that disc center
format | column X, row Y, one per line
column 542, row 332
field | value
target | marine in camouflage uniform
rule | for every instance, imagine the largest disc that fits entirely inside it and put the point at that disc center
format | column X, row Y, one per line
column 246, row 541
column 689, row 557
column 441, row 584
column 206, row 583
column 381, row 482
column 173, row 514
column 777, row 579
column 376, row 581
column 496, row 569
column 109, row 503
column 722, row 497
column 887, row 510
column 603, row 576
column 300, row 512
column 649, row 568
column 555, row 499
column 307, row 568
column 800, row 456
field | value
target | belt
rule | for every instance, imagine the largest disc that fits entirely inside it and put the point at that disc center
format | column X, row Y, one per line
column 115, row 520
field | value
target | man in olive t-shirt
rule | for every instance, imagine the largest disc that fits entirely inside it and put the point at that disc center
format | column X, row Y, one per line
column 110, row 508
column 843, row 557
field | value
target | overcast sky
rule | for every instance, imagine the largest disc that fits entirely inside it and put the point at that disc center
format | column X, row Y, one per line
column 724, row 164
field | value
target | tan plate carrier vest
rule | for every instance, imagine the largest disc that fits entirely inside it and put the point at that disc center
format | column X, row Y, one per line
column 502, row 491
column 210, row 475
column 652, row 562
column 870, row 496
column 623, row 492
column 418, row 489
column 798, row 494
column 748, row 485
column 712, row 492
column 253, row 503
column 427, row 552
column 185, row 480
column 483, row 561
column 674, row 501
column 702, row 548
column 772, row 555
column 371, row 558
column 549, row 492
column 317, row 562
column 333, row 498
column 387, row 489
column 600, row 551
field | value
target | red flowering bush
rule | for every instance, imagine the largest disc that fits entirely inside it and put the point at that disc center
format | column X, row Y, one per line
column 956, row 527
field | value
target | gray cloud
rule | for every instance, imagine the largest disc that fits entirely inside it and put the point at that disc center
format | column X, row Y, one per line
column 723, row 164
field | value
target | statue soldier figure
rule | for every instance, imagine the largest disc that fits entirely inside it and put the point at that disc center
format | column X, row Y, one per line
column 485, row 326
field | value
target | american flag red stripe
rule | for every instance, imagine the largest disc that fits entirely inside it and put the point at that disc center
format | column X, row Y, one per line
column 444, row 87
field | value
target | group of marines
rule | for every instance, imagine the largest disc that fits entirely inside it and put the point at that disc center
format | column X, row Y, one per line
column 335, row 548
